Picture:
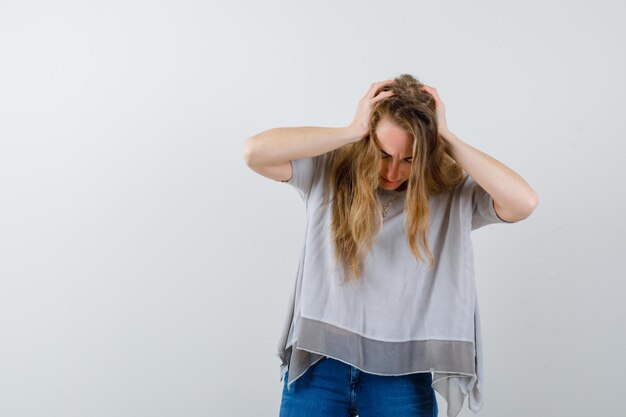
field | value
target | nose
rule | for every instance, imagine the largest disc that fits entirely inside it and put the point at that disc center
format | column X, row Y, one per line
column 392, row 171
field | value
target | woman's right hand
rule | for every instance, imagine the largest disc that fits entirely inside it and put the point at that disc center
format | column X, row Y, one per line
column 360, row 124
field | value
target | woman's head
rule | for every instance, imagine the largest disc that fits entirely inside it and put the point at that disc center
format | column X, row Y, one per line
column 406, row 121
column 396, row 153
column 403, row 146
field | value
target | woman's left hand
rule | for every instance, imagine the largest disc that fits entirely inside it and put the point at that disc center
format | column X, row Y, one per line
column 442, row 125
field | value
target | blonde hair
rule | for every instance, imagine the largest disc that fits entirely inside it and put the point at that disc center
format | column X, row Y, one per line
column 354, row 177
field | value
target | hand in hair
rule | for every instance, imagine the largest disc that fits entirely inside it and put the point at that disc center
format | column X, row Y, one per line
column 361, row 121
column 442, row 125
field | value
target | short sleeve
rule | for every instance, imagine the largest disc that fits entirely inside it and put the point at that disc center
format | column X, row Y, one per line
column 306, row 173
column 483, row 209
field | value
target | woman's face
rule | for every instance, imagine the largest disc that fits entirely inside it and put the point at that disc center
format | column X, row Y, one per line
column 396, row 153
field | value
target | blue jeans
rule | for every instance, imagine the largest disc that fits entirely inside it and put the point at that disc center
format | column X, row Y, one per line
column 331, row 388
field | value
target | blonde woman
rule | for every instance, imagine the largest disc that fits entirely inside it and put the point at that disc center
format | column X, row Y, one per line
column 384, row 308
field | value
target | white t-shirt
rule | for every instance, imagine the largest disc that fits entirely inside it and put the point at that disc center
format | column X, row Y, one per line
column 399, row 317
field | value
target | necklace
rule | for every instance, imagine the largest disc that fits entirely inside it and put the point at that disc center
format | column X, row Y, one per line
column 387, row 205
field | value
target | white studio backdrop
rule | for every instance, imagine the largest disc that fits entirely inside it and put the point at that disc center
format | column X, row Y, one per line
column 145, row 270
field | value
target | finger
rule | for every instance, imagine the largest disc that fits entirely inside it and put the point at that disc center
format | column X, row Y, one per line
column 367, row 93
column 376, row 86
column 378, row 91
column 432, row 91
column 386, row 93
column 383, row 95
column 371, row 90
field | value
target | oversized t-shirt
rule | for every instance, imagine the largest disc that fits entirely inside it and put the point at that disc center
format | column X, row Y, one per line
column 399, row 317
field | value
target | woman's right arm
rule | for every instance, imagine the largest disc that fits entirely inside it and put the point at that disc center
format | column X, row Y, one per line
column 269, row 153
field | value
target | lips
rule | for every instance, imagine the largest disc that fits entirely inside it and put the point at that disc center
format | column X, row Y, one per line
column 386, row 181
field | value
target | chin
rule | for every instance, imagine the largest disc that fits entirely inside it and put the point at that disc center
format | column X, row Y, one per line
column 392, row 186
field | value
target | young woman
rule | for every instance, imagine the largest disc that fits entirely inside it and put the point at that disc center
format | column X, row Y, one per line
column 384, row 308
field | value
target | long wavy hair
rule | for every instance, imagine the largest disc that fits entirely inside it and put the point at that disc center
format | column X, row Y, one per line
column 355, row 176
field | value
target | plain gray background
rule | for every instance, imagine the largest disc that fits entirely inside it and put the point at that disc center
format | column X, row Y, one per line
column 145, row 270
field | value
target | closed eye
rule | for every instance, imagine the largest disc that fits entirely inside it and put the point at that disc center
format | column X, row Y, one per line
column 385, row 156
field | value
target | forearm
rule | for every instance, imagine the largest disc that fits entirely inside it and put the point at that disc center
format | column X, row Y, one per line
column 282, row 144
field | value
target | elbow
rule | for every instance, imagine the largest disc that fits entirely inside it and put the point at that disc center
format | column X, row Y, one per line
column 534, row 201
column 248, row 151
column 522, row 212
column 532, row 204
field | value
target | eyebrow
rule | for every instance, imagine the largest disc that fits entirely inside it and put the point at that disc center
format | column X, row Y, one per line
column 406, row 157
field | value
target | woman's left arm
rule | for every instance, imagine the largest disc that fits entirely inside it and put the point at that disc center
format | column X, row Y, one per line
column 513, row 198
